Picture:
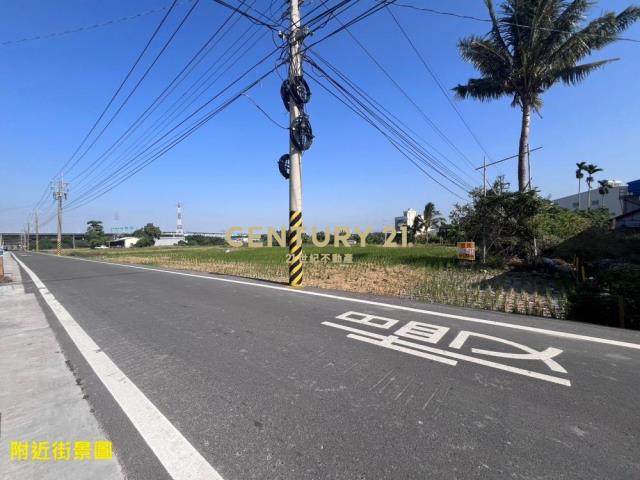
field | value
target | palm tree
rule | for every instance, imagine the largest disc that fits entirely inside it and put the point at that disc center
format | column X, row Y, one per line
column 591, row 169
column 580, row 175
column 431, row 217
column 603, row 190
column 429, row 212
column 533, row 45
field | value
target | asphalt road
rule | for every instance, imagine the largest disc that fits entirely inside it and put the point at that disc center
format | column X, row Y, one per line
column 267, row 383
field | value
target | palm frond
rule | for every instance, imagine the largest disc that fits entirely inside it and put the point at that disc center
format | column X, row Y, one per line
column 486, row 56
column 563, row 26
column 576, row 74
column 596, row 35
column 483, row 89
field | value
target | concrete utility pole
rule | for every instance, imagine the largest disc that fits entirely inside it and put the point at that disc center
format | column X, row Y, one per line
column 529, row 165
column 37, row 230
column 59, row 194
column 484, row 193
column 295, row 155
column 484, row 176
column 28, row 235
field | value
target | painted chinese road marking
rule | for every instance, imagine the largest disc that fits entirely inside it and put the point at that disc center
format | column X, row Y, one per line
column 433, row 334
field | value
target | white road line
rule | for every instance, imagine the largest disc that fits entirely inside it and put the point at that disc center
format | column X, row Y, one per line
column 543, row 331
column 397, row 344
column 181, row 460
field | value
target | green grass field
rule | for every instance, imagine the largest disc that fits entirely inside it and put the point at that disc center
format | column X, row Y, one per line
column 419, row 256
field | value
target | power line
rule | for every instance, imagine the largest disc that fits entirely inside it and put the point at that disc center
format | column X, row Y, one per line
column 199, row 92
column 119, row 176
column 488, row 20
column 171, row 113
column 163, row 95
column 380, row 108
column 255, row 20
column 264, row 112
column 113, row 97
column 366, row 13
column 144, row 75
column 420, row 110
column 380, row 121
column 182, row 137
column 393, row 142
column 120, row 171
column 439, row 84
column 87, row 27
column 505, row 159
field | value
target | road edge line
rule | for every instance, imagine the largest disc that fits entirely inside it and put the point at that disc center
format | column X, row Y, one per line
column 176, row 454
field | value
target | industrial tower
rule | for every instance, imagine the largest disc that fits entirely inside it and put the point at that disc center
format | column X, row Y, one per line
column 179, row 229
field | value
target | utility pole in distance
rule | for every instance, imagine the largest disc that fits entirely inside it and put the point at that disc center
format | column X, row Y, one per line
column 59, row 194
column 28, row 235
column 37, row 230
column 299, row 139
column 484, row 194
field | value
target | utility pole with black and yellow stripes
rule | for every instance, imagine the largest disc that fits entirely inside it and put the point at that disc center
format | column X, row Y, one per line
column 294, row 238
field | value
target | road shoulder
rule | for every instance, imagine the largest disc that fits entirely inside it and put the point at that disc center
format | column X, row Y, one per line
column 41, row 401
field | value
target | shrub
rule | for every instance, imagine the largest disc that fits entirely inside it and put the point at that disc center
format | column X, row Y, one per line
column 625, row 282
column 588, row 303
column 145, row 242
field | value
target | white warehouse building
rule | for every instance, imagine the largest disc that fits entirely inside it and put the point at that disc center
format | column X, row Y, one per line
column 613, row 200
column 123, row 242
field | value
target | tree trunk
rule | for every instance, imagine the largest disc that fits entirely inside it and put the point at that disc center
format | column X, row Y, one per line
column 524, row 143
column 579, row 182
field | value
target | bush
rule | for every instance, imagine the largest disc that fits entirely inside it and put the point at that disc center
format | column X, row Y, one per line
column 596, row 244
column 145, row 242
column 598, row 300
column 625, row 282
column 588, row 303
column 555, row 225
column 201, row 240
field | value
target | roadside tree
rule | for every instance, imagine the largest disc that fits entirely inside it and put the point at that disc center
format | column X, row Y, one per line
column 533, row 45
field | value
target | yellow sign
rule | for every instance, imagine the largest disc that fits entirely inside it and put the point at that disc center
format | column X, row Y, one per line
column 61, row 450
column 466, row 251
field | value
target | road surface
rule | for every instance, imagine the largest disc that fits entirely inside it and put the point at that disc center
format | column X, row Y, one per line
column 254, row 380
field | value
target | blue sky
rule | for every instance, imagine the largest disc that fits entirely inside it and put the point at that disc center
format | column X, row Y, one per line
column 53, row 89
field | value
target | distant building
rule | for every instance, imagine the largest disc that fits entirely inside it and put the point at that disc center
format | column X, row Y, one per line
column 621, row 198
column 168, row 241
column 407, row 219
column 627, row 220
column 124, row 242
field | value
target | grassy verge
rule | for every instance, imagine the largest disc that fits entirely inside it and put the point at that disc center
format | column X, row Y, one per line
column 428, row 273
